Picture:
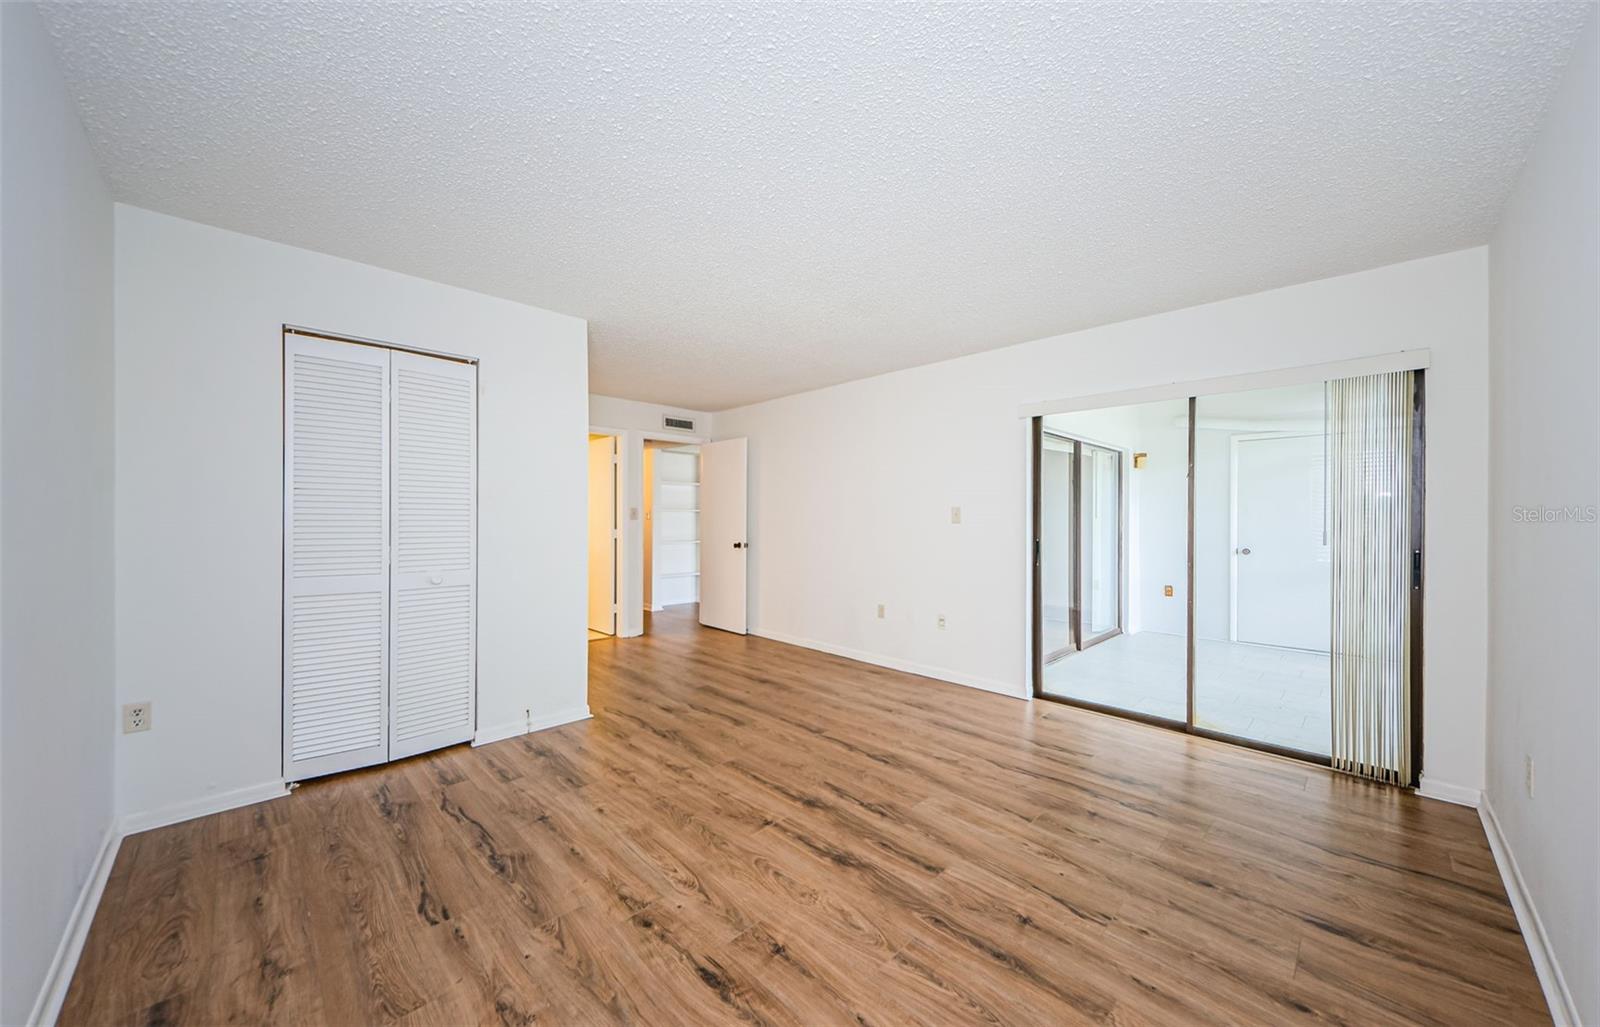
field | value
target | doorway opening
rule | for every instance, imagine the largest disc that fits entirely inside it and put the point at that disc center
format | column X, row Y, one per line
column 671, row 508
column 1244, row 565
column 668, row 528
column 603, row 536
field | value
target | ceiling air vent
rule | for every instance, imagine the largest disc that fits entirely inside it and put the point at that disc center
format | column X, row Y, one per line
column 677, row 423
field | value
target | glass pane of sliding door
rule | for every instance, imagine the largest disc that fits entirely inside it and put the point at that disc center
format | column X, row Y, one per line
column 1263, row 599
column 1124, row 636
column 1100, row 488
column 1057, row 458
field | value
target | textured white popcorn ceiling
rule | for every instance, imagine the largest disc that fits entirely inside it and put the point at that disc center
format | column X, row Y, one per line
column 750, row 199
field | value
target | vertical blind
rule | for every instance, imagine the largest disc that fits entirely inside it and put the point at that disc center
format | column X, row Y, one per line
column 1370, row 444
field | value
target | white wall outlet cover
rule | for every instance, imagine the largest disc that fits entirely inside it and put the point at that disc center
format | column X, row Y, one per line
column 135, row 717
column 955, row 515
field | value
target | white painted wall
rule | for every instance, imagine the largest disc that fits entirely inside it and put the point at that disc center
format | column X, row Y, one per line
column 634, row 422
column 199, row 492
column 851, row 486
column 1544, row 666
column 57, row 706
column 631, row 415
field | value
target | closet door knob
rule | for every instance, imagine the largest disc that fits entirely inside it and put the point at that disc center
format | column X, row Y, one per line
column 436, row 579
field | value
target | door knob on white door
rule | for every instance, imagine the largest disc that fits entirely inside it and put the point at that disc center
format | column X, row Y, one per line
column 435, row 579
column 1243, row 552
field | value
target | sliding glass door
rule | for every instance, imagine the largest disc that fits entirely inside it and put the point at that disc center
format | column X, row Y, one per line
column 1263, row 592
column 1093, row 654
column 1245, row 566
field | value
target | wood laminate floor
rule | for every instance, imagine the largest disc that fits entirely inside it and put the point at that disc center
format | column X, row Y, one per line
column 752, row 832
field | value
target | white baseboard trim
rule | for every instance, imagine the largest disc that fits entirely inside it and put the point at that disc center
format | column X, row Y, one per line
column 205, row 805
column 522, row 726
column 1563, row 1010
column 53, row 991
column 1005, row 688
column 1444, row 791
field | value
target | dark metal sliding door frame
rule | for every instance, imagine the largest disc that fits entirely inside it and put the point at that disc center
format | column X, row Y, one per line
column 1188, row 628
column 1036, row 454
column 1418, row 569
column 1189, row 726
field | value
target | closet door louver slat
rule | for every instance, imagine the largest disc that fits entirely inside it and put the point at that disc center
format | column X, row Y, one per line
column 434, row 509
column 336, row 577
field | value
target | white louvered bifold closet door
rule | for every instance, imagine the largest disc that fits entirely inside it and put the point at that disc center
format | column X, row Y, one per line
column 335, row 567
column 434, row 587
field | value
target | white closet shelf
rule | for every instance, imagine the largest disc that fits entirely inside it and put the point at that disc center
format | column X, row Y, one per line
column 680, row 574
column 673, row 481
column 677, row 541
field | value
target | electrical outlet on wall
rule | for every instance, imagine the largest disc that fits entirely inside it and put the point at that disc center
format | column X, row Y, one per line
column 955, row 515
column 880, row 611
column 941, row 622
column 136, row 717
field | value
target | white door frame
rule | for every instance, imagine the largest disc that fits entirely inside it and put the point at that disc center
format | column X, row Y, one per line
column 630, row 502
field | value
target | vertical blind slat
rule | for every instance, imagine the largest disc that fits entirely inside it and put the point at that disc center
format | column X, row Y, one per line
column 1370, row 458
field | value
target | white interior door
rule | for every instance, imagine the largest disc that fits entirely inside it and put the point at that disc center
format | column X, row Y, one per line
column 724, row 502
column 433, row 691
column 335, row 567
column 1283, row 588
column 603, row 534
